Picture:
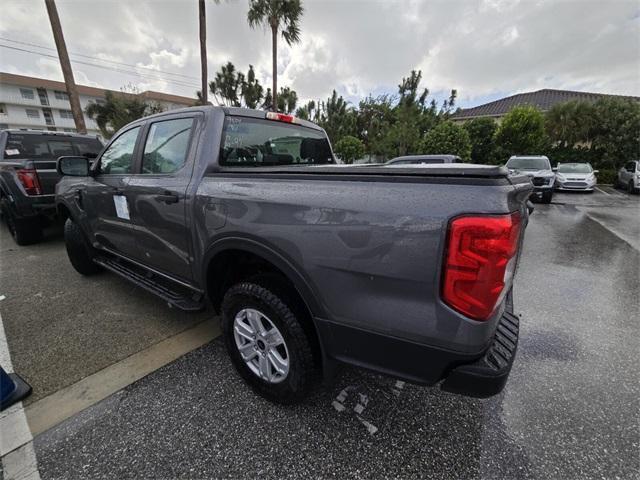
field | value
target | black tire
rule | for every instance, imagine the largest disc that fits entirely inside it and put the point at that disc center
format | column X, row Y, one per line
column 630, row 188
column 80, row 253
column 547, row 197
column 25, row 231
column 270, row 299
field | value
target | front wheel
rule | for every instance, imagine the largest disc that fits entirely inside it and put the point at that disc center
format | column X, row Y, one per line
column 547, row 196
column 631, row 188
column 80, row 253
column 266, row 342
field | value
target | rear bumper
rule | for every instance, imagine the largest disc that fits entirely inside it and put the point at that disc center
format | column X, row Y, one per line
column 481, row 375
column 488, row 375
column 33, row 205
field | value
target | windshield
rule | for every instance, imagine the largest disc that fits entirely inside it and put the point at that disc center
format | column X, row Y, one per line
column 49, row 147
column 253, row 142
column 574, row 168
column 528, row 163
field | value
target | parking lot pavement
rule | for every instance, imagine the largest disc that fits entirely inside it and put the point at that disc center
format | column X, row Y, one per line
column 569, row 410
column 61, row 326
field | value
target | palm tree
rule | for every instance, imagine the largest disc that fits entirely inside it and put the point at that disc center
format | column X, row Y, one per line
column 202, row 20
column 278, row 15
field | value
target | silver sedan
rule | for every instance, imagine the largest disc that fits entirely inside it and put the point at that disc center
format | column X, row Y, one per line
column 575, row 176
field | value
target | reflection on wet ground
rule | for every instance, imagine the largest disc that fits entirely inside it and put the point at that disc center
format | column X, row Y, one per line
column 569, row 410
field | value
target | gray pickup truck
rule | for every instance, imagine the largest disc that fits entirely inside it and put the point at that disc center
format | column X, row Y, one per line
column 404, row 271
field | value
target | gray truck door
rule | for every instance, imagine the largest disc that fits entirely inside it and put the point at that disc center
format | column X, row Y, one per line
column 157, row 192
column 105, row 199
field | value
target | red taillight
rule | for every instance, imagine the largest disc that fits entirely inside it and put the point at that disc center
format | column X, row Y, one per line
column 479, row 262
column 29, row 179
column 281, row 117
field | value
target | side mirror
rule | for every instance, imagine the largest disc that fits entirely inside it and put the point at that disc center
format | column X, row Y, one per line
column 73, row 166
column 555, row 169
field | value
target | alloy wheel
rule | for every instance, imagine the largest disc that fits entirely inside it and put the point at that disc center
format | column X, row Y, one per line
column 261, row 345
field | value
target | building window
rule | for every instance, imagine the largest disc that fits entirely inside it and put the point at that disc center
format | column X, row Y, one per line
column 60, row 95
column 32, row 112
column 66, row 114
column 44, row 98
column 70, row 130
column 4, row 126
column 3, row 109
column 48, row 116
column 27, row 93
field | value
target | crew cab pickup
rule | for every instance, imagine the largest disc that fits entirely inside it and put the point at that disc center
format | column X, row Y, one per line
column 404, row 271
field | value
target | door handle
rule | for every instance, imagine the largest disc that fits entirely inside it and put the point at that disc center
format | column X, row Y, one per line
column 168, row 198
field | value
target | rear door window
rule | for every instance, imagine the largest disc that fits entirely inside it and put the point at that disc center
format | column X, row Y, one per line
column 254, row 142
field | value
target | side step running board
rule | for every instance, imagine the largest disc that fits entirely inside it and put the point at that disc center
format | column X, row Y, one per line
column 186, row 300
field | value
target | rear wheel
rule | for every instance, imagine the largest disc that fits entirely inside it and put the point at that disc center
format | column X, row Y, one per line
column 80, row 253
column 24, row 231
column 266, row 341
column 631, row 188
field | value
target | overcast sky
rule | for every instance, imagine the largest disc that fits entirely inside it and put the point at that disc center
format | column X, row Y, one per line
column 484, row 48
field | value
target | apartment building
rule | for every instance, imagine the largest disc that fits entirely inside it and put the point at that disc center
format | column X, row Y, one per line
column 41, row 104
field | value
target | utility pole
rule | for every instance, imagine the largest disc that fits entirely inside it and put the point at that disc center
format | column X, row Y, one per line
column 203, row 50
column 65, row 63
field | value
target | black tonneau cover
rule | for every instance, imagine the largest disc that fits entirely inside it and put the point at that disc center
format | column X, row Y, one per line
column 427, row 170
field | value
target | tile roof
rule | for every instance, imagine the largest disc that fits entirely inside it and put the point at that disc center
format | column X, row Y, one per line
column 542, row 99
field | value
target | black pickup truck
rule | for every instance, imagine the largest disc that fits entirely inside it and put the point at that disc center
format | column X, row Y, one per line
column 28, row 177
column 406, row 271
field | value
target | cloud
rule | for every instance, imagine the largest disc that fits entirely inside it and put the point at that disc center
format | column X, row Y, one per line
column 484, row 48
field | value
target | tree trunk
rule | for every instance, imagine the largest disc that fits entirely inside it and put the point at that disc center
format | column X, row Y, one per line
column 65, row 64
column 203, row 51
column 274, row 46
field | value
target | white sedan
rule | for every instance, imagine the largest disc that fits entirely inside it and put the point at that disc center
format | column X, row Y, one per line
column 575, row 176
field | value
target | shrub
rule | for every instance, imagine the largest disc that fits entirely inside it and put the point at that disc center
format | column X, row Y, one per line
column 448, row 138
column 349, row 149
column 606, row 176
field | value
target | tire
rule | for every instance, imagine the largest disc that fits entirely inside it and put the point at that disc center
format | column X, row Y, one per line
column 25, row 231
column 546, row 197
column 80, row 253
column 269, row 300
column 631, row 188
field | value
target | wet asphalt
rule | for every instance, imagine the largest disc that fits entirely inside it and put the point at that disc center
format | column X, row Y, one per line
column 61, row 326
column 571, row 408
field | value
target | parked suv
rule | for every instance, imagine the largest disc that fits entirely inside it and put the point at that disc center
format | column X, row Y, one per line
column 538, row 168
column 28, row 176
column 629, row 177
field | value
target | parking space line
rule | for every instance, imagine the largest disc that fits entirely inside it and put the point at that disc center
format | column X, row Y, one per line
column 57, row 407
column 600, row 190
column 16, row 441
